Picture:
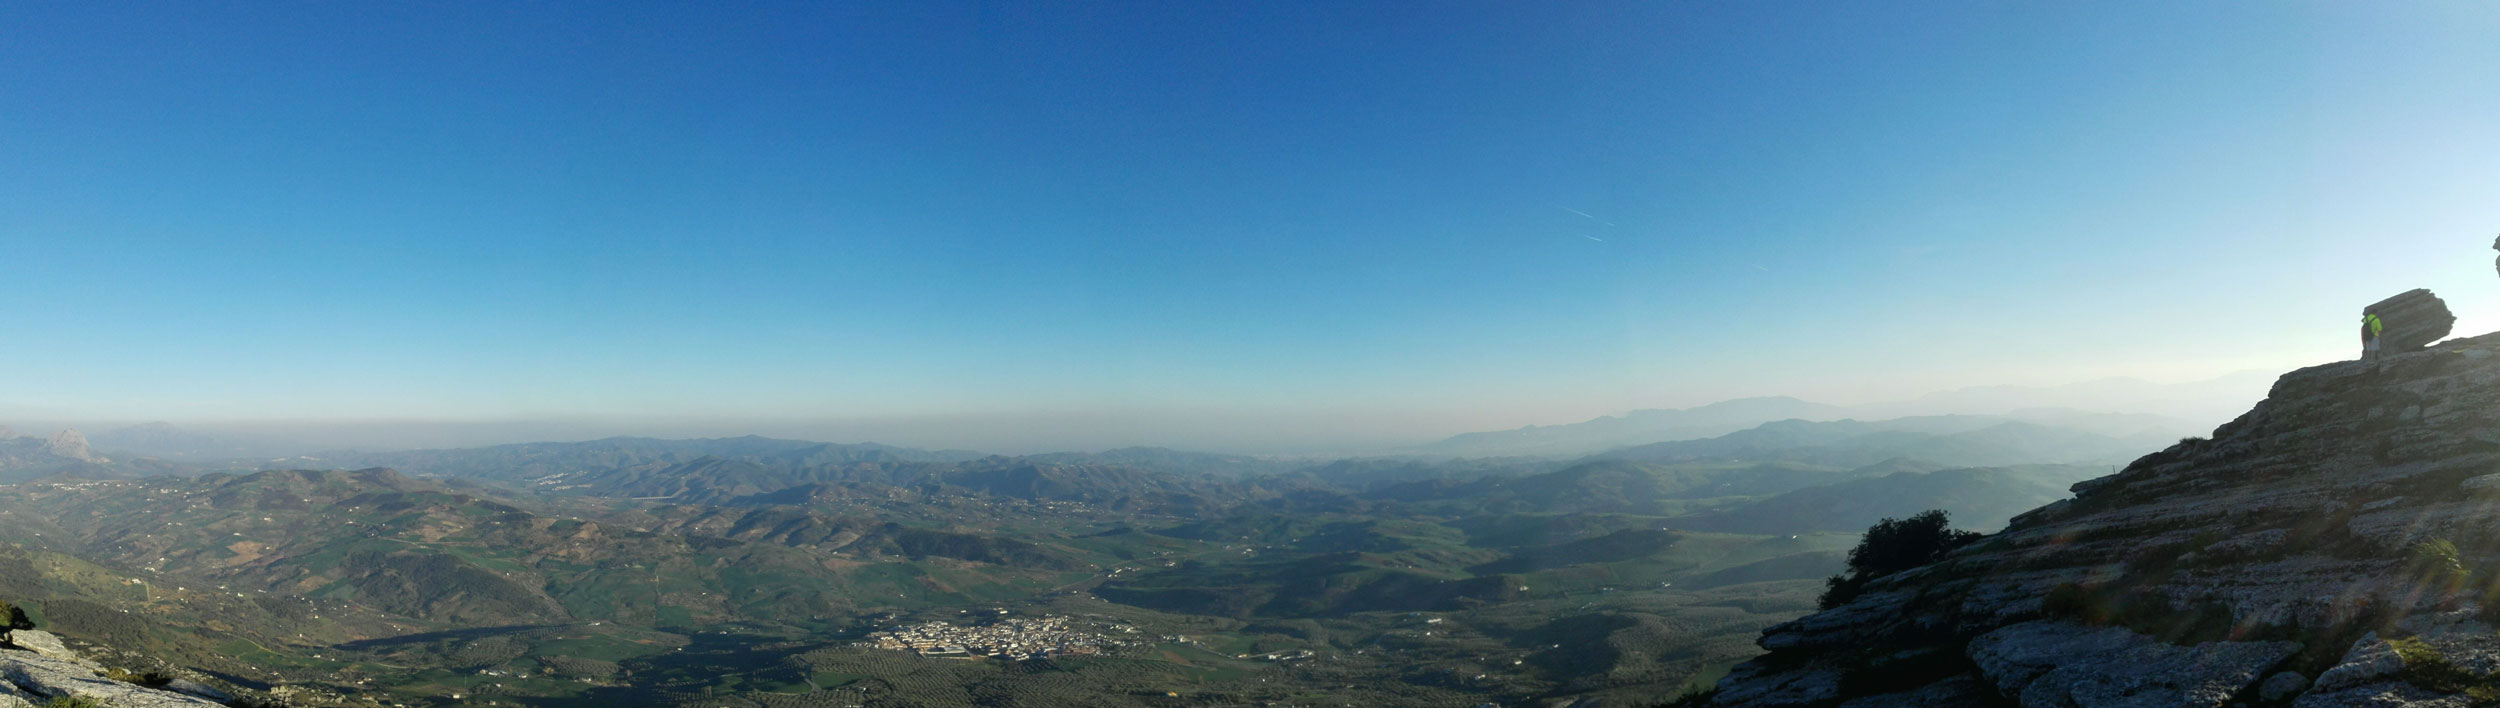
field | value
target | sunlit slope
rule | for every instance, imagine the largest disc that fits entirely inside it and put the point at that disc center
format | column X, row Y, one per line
column 2336, row 543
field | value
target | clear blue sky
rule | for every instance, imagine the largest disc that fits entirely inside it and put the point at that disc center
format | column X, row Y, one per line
column 1154, row 222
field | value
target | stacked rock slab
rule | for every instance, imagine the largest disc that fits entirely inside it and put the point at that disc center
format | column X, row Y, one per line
column 37, row 670
column 2413, row 319
column 2291, row 561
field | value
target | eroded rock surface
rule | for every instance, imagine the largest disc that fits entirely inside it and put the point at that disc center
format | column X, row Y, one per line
column 2199, row 574
column 43, row 678
column 2413, row 319
column 40, row 642
column 2055, row 663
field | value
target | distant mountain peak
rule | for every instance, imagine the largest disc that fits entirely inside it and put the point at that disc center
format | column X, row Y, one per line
column 69, row 443
column 1637, row 427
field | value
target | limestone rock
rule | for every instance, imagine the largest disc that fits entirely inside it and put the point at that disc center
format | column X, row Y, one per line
column 195, row 688
column 2385, row 695
column 1960, row 691
column 2483, row 486
column 40, row 642
column 2370, row 661
column 2291, row 523
column 70, row 444
column 2282, row 687
column 2065, row 664
column 47, row 677
column 2373, row 671
column 2013, row 657
column 1753, row 684
column 2413, row 319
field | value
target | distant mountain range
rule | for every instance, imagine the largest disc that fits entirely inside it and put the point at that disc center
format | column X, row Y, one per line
column 547, row 460
column 2115, row 407
column 165, row 440
column 1636, row 427
column 67, row 453
column 1980, row 499
column 1956, row 440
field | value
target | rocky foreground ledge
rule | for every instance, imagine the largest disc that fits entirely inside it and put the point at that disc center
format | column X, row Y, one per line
column 2338, row 545
column 36, row 669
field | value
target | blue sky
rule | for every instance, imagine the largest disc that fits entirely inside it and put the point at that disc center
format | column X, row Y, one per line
column 1156, row 222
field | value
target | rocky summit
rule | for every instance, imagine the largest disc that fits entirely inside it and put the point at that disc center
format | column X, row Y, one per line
column 2337, row 545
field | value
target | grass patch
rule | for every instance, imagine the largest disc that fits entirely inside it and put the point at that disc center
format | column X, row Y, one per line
column 2426, row 667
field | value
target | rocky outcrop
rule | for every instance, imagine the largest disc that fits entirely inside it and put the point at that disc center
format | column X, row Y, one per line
column 40, row 642
column 2064, row 663
column 44, row 678
column 2413, row 319
column 37, row 669
column 70, row 444
column 2337, row 545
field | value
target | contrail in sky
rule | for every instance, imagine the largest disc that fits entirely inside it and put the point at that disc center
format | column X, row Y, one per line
column 1583, row 214
column 1592, row 238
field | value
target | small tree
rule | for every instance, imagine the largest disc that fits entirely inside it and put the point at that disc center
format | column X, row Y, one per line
column 13, row 618
column 1892, row 546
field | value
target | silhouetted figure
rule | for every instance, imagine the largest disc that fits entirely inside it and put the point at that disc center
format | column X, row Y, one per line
column 2371, row 327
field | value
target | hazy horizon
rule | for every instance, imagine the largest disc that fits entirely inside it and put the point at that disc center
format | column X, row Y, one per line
column 1255, row 227
column 1282, row 433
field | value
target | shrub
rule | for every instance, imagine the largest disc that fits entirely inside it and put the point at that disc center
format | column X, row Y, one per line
column 2434, row 564
column 1839, row 590
column 1892, row 546
column 151, row 679
column 2426, row 667
column 11, row 617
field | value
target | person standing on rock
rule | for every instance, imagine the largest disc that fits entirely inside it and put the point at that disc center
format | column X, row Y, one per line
column 2370, row 329
column 2411, row 320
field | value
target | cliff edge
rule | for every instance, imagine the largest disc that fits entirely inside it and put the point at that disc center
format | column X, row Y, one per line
column 2337, row 545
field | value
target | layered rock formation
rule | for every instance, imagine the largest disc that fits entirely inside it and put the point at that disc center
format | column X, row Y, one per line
column 2413, row 319
column 2338, row 545
column 35, row 670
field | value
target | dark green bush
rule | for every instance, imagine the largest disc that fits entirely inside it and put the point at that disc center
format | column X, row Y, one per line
column 1892, row 546
column 13, row 618
column 151, row 679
